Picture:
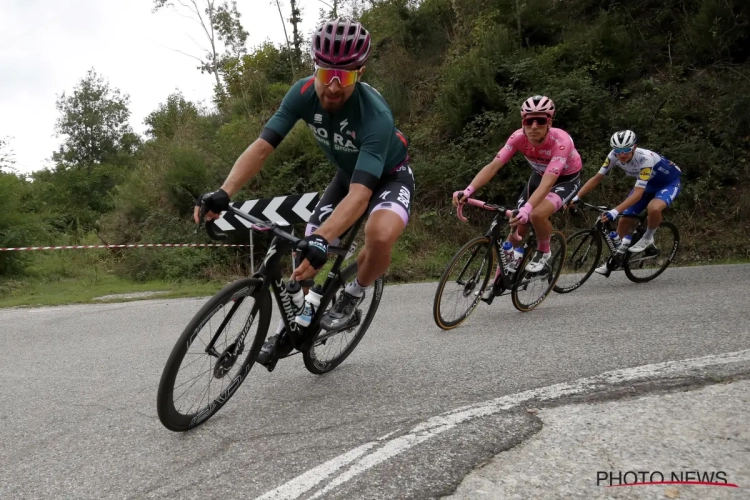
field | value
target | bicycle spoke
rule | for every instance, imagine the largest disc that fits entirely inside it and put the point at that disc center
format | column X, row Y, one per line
column 197, row 378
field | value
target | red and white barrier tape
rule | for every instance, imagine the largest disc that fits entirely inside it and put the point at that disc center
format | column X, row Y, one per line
column 134, row 245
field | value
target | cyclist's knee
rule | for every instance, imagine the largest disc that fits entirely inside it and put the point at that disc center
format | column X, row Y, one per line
column 541, row 214
column 656, row 206
column 380, row 239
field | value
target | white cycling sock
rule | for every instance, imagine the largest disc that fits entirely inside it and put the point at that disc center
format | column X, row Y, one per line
column 355, row 289
column 649, row 234
column 280, row 327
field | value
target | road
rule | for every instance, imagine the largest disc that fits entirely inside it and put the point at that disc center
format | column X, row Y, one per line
column 78, row 387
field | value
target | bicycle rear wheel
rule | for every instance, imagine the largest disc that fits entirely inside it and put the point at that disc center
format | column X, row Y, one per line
column 329, row 350
column 463, row 282
column 530, row 289
column 195, row 383
column 647, row 265
column 584, row 249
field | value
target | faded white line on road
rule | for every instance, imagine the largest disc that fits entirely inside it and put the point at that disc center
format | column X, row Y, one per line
column 311, row 478
column 308, row 480
column 441, row 423
column 381, row 438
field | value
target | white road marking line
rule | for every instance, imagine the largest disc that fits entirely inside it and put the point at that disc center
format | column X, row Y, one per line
column 441, row 423
column 301, row 484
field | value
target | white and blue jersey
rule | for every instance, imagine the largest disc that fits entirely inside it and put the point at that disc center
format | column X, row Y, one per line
column 659, row 176
column 653, row 171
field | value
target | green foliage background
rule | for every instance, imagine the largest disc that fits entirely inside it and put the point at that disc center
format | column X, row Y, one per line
column 454, row 72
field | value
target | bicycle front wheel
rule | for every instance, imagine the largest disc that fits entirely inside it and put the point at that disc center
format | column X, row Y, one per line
column 330, row 349
column 214, row 354
column 647, row 265
column 530, row 289
column 584, row 249
column 463, row 282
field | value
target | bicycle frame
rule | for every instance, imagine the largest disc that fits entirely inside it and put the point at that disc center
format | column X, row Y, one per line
column 496, row 236
column 269, row 275
column 604, row 228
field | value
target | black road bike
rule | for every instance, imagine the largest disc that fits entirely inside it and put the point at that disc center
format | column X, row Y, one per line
column 217, row 349
column 471, row 270
column 585, row 252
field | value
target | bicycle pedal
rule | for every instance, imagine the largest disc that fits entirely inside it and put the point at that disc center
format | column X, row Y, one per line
column 271, row 364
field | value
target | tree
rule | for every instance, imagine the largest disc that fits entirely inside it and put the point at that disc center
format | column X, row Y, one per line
column 94, row 119
column 221, row 26
column 164, row 122
column 296, row 20
column 7, row 159
column 286, row 36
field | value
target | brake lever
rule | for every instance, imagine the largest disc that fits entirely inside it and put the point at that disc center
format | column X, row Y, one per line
column 210, row 225
column 201, row 215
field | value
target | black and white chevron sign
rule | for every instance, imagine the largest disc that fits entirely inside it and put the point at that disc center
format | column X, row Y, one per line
column 284, row 210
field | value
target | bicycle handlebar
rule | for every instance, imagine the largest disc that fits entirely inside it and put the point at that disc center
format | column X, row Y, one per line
column 255, row 224
column 481, row 204
column 598, row 208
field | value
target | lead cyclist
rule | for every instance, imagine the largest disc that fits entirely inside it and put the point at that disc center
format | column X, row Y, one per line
column 354, row 127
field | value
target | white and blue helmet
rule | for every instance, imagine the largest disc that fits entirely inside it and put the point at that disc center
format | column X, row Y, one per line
column 623, row 139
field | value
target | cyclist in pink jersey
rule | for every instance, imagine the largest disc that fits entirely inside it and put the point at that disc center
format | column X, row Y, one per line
column 555, row 179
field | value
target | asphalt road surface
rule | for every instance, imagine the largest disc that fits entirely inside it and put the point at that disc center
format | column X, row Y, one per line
column 78, row 390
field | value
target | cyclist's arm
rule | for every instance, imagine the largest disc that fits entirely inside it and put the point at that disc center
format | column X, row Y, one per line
column 487, row 173
column 247, row 166
column 373, row 151
column 631, row 200
column 490, row 170
column 590, row 185
column 638, row 189
column 346, row 213
column 551, row 174
column 596, row 179
column 252, row 159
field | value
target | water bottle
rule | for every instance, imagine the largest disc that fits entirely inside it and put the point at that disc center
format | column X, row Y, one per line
column 507, row 256
column 517, row 257
column 615, row 238
column 312, row 301
column 625, row 244
column 294, row 289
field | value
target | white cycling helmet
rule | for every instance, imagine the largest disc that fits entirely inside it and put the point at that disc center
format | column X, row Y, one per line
column 623, row 139
column 539, row 104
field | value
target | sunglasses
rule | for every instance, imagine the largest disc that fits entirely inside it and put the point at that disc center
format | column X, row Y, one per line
column 345, row 77
column 620, row 151
column 540, row 120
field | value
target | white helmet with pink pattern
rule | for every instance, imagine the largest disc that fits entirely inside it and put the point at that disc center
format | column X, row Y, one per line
column 539, row 104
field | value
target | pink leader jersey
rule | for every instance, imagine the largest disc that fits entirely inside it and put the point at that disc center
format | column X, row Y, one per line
column 556, row 155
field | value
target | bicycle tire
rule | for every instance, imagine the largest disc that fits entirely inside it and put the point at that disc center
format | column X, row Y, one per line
column 629, row 258
column 557, row 260
column 317, row 366
column 586, row 235
column 169, row 415
column 479, row 242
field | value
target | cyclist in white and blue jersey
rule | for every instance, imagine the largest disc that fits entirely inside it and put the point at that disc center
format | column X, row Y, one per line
column 658, row 184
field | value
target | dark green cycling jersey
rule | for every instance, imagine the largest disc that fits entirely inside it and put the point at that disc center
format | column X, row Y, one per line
column 360, row 138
